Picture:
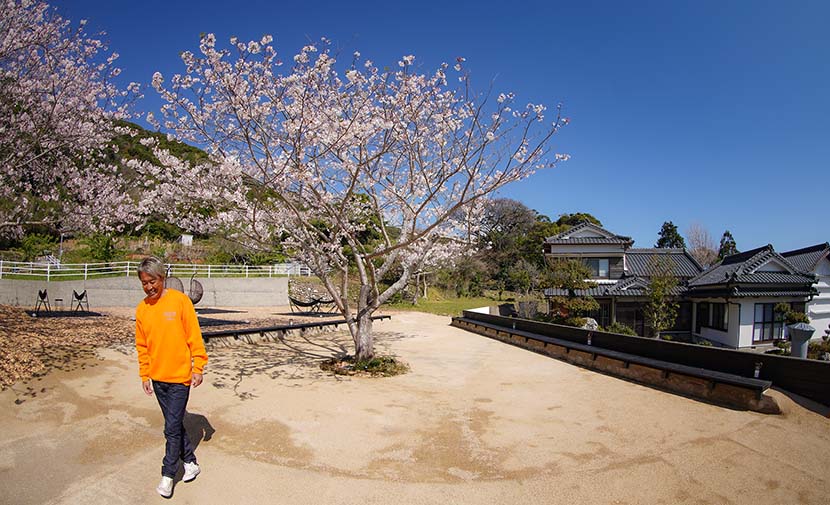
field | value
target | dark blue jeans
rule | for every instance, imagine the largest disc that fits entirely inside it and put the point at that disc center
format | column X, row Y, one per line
column 172, row 399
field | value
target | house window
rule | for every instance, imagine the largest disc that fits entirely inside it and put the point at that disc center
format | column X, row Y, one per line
column 768, row 325
column 602, row 315
column 720, row 315
column 799, row 307
column 599, row 267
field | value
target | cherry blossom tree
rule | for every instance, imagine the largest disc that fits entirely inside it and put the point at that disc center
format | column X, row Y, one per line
column 701, row 245
column 360, row 172
column 58, row 104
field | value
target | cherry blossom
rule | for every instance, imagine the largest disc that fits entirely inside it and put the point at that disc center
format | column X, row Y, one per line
column 58, row 104
column 367, row 175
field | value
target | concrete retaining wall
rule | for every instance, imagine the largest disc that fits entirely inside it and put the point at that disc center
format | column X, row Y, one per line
column 126, row 292
column 697, row 387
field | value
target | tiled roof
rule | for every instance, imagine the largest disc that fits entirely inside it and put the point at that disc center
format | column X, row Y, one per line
column 741, row 269
column 639, row 262
column 807, row 258
column 738, row 276
column 776, row 278
column 595, row 292
column 606, row 237
column 628, row 287
column 752, row 291
column 584, row 240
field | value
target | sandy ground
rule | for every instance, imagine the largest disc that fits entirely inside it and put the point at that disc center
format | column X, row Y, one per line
column 475, row 421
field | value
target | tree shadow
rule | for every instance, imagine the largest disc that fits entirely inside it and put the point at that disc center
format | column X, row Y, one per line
column 198, row 428
column 294, row 357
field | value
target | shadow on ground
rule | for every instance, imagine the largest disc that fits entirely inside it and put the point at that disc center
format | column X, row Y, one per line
column 295, row 357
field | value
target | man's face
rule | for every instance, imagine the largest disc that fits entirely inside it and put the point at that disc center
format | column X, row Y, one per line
column 153, row 286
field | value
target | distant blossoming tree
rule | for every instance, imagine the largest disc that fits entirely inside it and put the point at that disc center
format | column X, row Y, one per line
column 57, row 106
column 701, row 245
column 359, row 172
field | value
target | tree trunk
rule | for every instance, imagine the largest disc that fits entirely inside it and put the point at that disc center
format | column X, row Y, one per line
column 417, row 289
column 363, row 341
column 364, row 346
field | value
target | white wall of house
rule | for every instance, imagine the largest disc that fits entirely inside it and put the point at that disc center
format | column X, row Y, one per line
column 721, row 337
column 729, row 337
column 746, row 322
column 748, row 318
column 818, row 310
column 740, row 322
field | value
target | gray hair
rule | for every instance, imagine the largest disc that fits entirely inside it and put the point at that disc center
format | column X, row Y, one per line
column 152, row 266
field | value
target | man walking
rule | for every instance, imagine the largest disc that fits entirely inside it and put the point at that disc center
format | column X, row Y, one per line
column 171, row 358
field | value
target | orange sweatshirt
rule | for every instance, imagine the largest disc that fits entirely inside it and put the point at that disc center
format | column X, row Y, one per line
column 168, row 339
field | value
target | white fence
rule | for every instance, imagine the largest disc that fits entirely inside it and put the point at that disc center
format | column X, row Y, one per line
column 49, row 271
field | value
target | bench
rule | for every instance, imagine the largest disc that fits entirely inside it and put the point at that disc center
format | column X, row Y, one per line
column 237, row 333
column 313, row 305
column 712, row 385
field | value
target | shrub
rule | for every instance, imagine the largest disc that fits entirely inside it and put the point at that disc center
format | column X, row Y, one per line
column 620, row 328
column 379, row 366
column 34, row 245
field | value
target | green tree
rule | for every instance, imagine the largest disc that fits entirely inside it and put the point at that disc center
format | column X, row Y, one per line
column 570, row 276
column 529, row 245
column 523, row 276
column 102, row 246
column 568, row 220
column 660, row 311
column 670, row 237
column 727, row 245
column 502, row 227
column 35, row 245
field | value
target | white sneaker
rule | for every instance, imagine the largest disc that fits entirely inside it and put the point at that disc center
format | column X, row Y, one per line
column 191, row 470
column 165, row 487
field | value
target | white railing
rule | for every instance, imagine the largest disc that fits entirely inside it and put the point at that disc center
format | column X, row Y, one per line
column 49, row 271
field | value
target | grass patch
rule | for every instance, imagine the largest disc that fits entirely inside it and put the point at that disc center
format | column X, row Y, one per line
column 447, row 307
column 379, row 366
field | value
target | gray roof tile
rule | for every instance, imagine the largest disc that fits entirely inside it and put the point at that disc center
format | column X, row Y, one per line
column 639, row 262
column 628, row 287
column 606, row 236
column 741, row 268
column 807, row 258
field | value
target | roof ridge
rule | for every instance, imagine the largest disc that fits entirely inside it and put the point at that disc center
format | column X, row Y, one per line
column 587, row 224
column 808, row 249
column 666, row 250
column 756, row 260
column 741, row 257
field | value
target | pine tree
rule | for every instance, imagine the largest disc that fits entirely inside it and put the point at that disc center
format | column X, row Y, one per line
column 727, row 246
column 570, row 276
column 669, row 237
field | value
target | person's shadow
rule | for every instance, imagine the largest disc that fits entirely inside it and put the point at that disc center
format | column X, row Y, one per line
column 198, row 428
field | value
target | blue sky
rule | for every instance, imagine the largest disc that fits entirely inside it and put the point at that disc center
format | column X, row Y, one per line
column 708, row 112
